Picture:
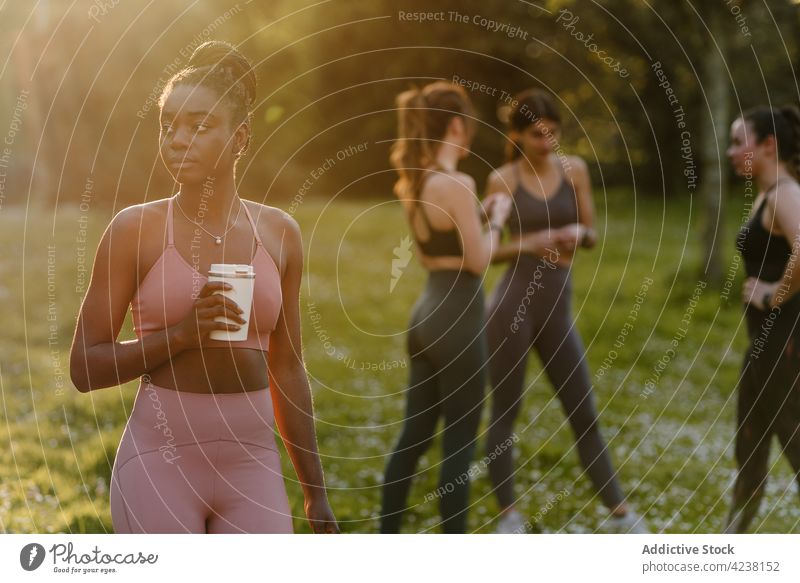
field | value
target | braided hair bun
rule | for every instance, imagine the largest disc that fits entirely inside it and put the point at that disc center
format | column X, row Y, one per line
column 223, row 56
column 219, row 66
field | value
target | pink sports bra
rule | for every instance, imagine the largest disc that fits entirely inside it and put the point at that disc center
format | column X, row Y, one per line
column 168, row 291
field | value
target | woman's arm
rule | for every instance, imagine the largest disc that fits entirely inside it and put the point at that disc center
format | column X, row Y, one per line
column 785, row 206
column 291, row 394
column 580, row 234
column 478, row 245
column 582, row 184
column 503, row 251
column 96, row 359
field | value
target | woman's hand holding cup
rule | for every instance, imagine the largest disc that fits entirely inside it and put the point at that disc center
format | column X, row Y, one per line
column 194, row 329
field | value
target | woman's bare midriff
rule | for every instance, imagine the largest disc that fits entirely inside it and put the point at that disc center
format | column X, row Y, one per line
column 214, row 370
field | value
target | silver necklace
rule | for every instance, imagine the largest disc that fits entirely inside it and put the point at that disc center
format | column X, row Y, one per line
column 217, row 238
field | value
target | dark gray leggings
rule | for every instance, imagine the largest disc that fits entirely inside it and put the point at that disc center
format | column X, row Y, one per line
column 447, row 380
column 768, row 406
column 530, row 308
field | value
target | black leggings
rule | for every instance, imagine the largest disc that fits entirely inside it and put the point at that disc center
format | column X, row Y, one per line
column 530, row 307
column 447, row 378
column 768, row 404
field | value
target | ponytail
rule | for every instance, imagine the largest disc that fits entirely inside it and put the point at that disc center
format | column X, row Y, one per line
column 422, row 119
column 792, row 115
column 412, row 151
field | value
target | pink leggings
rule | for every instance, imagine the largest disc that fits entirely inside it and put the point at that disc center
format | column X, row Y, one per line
column 199, row 463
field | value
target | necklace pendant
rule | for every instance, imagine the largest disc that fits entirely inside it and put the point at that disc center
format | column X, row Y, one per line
column 219, row 240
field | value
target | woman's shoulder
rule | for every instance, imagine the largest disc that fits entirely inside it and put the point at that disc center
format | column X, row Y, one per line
column 266, row 212
column 136, row 216
column 791, row 185
column 503, row 178
column 445, row 184
column 270, row 220
column 574, row 166
column 504, row 170
column 785, row 194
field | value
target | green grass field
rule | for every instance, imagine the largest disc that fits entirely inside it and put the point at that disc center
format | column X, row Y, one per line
column 672, row 442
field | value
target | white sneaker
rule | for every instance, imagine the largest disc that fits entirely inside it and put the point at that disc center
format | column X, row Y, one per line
column 630, row 523
column 511, row 523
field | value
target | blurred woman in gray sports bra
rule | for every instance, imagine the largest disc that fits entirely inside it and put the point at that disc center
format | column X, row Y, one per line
column 551, row 218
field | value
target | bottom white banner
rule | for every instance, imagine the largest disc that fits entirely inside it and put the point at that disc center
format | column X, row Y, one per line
column 355, row 558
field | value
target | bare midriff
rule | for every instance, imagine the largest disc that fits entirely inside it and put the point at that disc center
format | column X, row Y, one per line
column 214, row 370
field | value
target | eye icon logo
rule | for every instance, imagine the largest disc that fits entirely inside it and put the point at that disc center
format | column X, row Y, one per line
column 31, row 556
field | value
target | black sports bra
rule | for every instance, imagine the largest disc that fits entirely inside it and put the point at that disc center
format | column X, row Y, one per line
column 441, row 242
column 765, row 255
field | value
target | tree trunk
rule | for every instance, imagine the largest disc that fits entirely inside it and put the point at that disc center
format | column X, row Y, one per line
column 714, row 140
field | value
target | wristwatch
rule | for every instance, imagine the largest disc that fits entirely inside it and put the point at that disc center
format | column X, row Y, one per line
column 766, row 299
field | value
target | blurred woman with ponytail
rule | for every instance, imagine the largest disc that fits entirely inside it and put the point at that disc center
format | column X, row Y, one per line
column 445, row 337
column 765, row 146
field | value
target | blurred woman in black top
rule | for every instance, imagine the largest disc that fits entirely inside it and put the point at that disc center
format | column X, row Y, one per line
column 765, row 144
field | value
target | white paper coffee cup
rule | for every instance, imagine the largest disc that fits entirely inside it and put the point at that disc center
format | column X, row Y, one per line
column 242, row 279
